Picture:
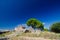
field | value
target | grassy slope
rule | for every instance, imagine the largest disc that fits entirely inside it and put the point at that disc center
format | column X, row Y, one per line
column 44, row 35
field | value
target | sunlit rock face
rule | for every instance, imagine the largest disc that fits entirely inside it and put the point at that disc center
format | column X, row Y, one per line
column 31, row 29
column 20, row 28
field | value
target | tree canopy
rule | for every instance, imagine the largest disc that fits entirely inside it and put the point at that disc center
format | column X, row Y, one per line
column 34, row 23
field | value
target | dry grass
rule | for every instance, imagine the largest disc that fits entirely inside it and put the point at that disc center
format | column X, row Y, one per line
column 37, row 36
column 27, row 38
column 4, row 34
column 48, row 35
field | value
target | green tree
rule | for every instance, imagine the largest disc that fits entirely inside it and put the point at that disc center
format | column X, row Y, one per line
column 55, row 27
column 34, row 23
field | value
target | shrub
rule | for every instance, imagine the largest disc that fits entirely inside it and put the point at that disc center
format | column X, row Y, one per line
column 55, row 27
column 45, row 29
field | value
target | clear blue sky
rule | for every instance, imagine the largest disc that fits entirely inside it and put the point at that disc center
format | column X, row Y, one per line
column 14, row 12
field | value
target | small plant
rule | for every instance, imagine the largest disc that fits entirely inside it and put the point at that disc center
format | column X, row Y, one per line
column 45, row 29
column 2, row 35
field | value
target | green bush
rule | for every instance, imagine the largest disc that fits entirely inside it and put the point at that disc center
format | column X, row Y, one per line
column 2, row 35
column 55, row 27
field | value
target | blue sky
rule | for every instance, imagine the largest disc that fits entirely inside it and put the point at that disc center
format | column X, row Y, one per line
column 14, row 12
